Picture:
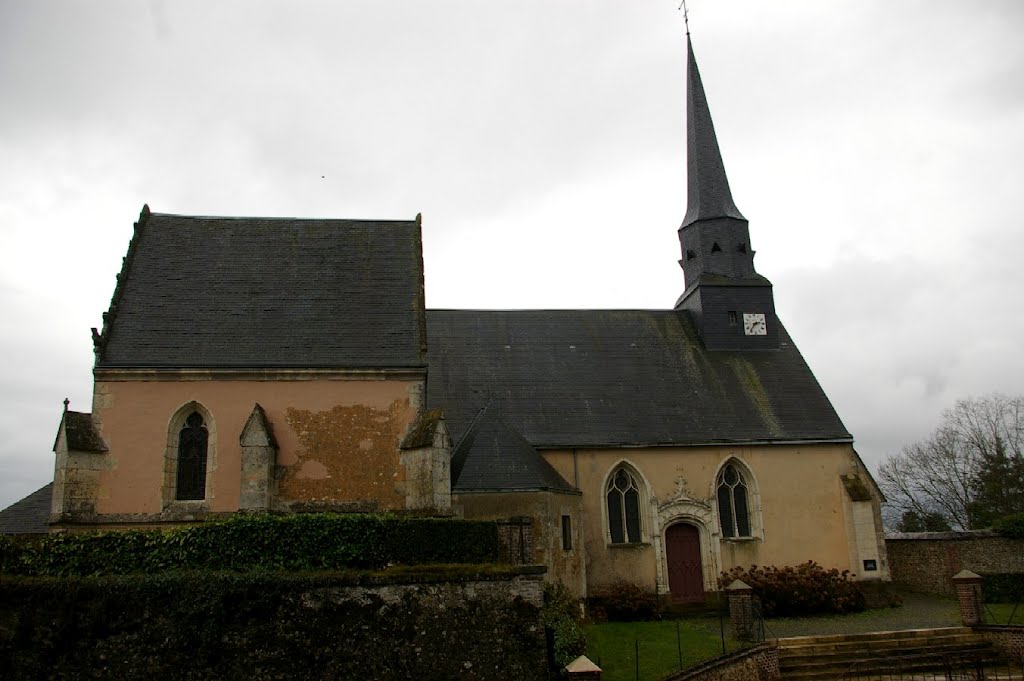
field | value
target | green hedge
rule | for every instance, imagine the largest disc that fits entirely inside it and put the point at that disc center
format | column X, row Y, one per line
column 263, row 626
column 301, row 542
column 1003, row 587
column 561, row 616
column 1011, row 526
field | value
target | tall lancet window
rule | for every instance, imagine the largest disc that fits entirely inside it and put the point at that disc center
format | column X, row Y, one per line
column 192, row 447
column 623, row 497
column 733, row 509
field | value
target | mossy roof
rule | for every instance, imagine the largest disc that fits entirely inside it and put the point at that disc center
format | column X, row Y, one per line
column 597, row 378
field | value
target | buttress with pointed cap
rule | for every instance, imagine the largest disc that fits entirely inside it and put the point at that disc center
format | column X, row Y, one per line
column 708, row 194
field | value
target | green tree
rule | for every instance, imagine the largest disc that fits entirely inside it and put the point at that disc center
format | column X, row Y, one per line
column 930, row 522
column 998, row 486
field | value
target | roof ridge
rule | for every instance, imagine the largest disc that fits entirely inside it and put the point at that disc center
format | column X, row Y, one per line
column 551, row 309
column 100, row 338
column 284, row 218
column 458, row 456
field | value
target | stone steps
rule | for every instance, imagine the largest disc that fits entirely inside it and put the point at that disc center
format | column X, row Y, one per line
column 813, row 658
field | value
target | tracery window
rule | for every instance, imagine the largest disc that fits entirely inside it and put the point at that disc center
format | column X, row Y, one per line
column 192, row 450
column 733, row 506
column 623, row 497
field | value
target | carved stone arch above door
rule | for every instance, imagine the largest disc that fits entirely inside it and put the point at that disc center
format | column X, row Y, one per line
column 683, row 508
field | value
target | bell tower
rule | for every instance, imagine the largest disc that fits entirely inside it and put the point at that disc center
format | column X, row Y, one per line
column 731, row 303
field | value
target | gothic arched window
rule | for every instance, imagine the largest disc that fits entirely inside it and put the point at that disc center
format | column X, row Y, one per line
column 733, row 506
column 192, row 447
column 623, row 497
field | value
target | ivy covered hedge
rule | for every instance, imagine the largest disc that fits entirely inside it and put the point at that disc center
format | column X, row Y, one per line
column 429, row 623
column 321, row 541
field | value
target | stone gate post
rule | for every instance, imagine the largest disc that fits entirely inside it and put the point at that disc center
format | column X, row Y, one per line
column 968, row 592
column 741, row 610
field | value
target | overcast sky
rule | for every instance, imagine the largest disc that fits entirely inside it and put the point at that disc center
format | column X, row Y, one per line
column 875, row 146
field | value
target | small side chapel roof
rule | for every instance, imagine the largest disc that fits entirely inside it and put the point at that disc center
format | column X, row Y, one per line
column 578, row 378
column 202, row 292
column 491, row 455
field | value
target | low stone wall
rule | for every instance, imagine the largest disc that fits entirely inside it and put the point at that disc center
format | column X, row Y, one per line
column 1009, row 640
column 927, row 561
column 759, row 663
column 447, row 624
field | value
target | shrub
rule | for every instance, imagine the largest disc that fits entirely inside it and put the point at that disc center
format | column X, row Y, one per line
column 623, row 601
column 1011, row 526
column 561, row 616
column 806, row 589
column 253, row 543
column 1003, row 588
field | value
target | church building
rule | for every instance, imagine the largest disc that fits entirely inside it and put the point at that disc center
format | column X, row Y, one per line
column 290, row 365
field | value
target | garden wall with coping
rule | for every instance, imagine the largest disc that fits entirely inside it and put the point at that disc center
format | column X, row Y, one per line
column 758, row 663
column 445, row 622
column 927, row 561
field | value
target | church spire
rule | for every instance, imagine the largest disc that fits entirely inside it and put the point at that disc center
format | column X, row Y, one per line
column 731, row 304
column 708, row 194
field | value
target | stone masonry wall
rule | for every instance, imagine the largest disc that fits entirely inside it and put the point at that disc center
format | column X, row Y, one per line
column 927, row 561
column 1009, row 640
column 759, row 663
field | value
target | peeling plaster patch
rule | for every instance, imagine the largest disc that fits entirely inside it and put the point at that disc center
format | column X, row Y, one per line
column 312, row 470
column 349, row 454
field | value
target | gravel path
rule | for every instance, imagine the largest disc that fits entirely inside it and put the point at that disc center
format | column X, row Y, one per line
column 917, row 612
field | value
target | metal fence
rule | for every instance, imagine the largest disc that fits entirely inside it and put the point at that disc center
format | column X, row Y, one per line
column 939, row 667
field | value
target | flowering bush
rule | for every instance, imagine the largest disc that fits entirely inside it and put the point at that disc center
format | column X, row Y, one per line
column 623, row 601
column 806, row 589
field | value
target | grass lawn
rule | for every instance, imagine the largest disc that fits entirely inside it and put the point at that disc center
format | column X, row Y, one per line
column 611, row 646
column 1002, row 612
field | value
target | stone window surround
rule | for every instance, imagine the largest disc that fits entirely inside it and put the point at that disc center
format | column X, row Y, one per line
column 753, row 500
column 170, row 476
column 646, row 494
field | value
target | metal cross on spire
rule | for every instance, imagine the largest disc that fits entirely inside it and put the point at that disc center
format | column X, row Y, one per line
column 686, row 16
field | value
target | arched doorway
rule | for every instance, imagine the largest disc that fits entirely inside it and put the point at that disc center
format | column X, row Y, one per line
column 682, row 554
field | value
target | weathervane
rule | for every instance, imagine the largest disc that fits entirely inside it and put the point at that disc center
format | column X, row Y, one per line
column 686, row 15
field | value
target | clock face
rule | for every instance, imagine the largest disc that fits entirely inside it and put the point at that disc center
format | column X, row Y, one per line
column 754, row 325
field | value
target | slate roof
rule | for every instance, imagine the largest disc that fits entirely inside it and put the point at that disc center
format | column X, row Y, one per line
column 492, row 456
column 708, row 193
column 29, row 515
column 81, row 433
column 267, row 292
column 576, row 378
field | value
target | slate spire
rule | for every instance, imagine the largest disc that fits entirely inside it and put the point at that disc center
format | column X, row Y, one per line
column 708, row 194
column 731, row 303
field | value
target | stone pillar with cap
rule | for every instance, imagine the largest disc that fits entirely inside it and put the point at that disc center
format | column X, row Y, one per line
column 582, row 669
column 741, row 610
column 968, row 592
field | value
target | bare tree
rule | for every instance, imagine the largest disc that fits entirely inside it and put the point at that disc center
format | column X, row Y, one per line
column 970, row 470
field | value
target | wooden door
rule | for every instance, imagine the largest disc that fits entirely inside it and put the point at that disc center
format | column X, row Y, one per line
column 685, row 573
